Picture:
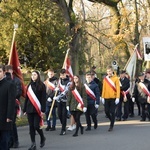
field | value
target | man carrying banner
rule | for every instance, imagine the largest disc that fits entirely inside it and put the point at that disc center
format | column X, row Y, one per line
column 93, row 100
column 61, row 98
column 51, row 83
column 141, row 90
column 110, row 95
column 76, row 103
column 14, row 141
column 124, row 97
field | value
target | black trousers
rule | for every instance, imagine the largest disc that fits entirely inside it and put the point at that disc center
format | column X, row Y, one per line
column 91, row 112
column 62, row 114
column 34, row 125
column 124, row 114
column 76, row 116
column 145, row 110
column 110, row 108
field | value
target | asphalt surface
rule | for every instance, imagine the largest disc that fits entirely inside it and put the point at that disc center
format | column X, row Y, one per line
column 127, row 135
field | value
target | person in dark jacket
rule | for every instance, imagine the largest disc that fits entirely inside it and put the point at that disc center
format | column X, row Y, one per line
column 93, row 100
column 34, row 107
column 61, row 99
column 124, row 97
column 14, row 140
column 7, row 108
column 51, row 85
column 76, row 97
column 142, row 96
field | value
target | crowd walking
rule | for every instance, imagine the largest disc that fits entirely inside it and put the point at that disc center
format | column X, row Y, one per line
column 65, row 97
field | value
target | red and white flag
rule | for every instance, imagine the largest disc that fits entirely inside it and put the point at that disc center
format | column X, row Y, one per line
column 14, row 61
column 67, row 65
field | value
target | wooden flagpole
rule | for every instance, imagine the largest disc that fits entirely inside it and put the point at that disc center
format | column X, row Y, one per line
column 13, row 39
column 50, row 112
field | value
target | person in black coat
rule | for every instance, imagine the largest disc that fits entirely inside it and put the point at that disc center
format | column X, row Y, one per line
column 7, row 108
column 61, row 98
column 92, row 104
column 124, row 97
column 14, row 140
column 142, row 96
column 36, row 93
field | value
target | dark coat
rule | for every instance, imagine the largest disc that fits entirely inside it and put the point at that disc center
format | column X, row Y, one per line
column 125, row 86
column 7, row 103
column 138, row 93
column 40, row 94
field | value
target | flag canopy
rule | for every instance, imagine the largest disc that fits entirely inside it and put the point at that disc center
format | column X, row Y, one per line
column 14, row 61
column 67, row 65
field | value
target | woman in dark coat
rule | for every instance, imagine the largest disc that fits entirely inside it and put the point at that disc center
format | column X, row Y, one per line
column 34, row 107
column 73, row 104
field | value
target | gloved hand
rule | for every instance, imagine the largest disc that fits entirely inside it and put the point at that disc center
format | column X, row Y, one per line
column 63, row 93
column 96, row 106
column 56, row 98
column 103, row 101
column 133, row 99
column 56, row 89
column 148, row 100
column 67, row 108
column 49, row 99
column 84, row 109
column 117, row 101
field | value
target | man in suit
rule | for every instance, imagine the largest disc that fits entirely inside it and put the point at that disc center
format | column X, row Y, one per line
column 124, row 97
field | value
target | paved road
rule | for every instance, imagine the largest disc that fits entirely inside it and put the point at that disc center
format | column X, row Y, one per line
column 127, row 135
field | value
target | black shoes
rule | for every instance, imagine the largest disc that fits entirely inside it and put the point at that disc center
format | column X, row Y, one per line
column 42, row 142
column 75, row 135
column 48, row 128
column 33, row 147
column 88, row 129
column 110, row 129
column 62, row 132
column 82, row 130
column 53, row 129
column 15, row 145
column 124, row 119
column 95, row 125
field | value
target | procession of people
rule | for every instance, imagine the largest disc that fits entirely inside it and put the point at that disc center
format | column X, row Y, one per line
column 58, row 96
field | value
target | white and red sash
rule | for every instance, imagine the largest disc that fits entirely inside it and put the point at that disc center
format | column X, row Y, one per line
column 50, row 85
column 144, row 89
column 35, row 102
column 110, row 83
column 124, row 93
column 61, row 87
column 90, row 92
column 18, row 108
column 78, row 97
